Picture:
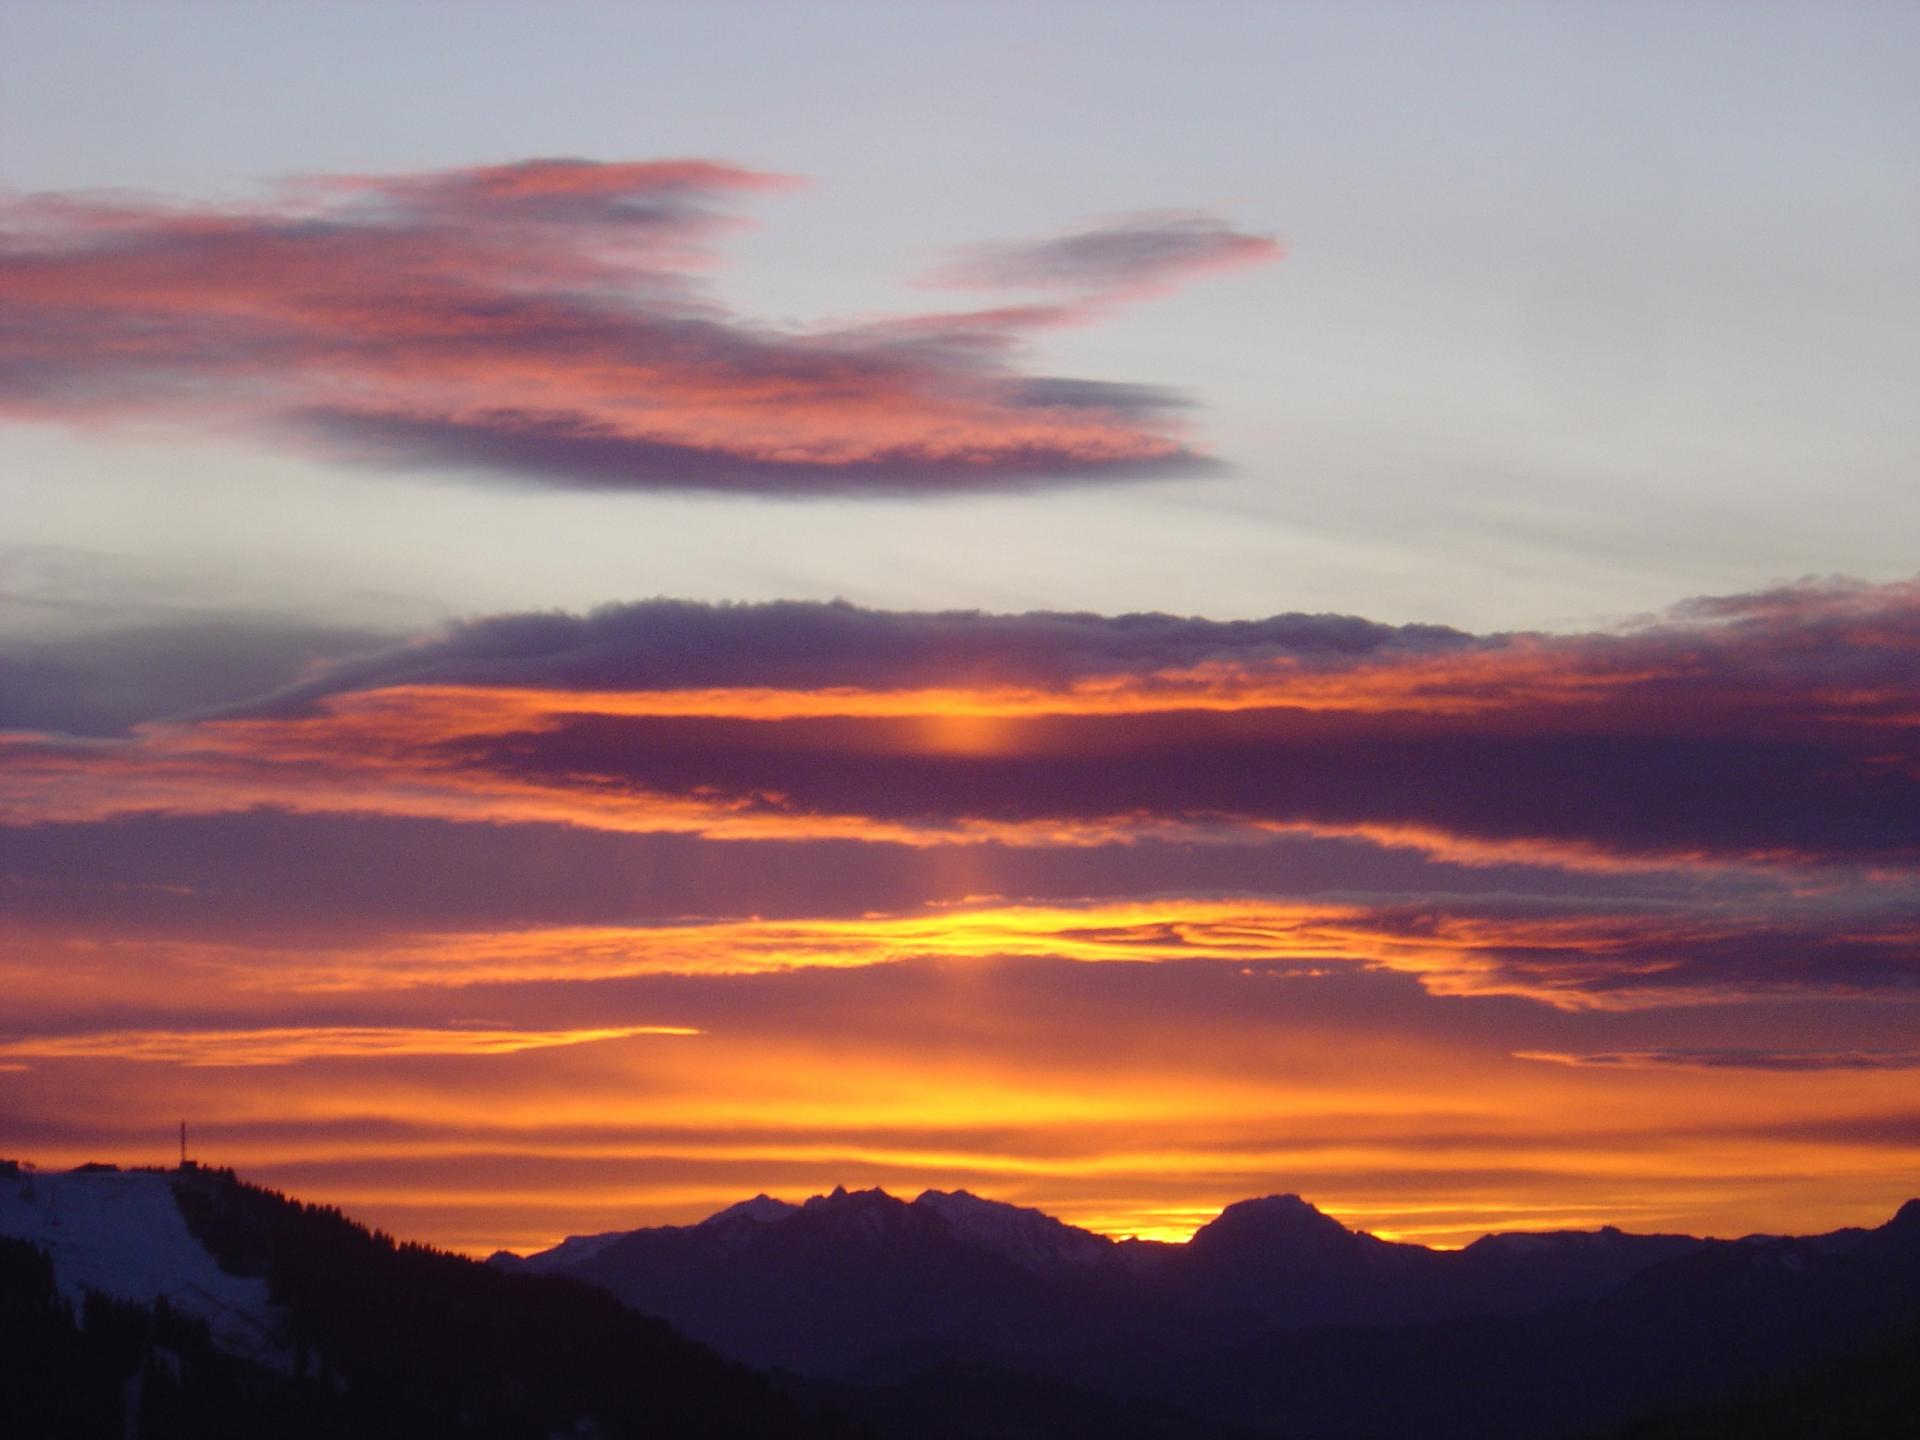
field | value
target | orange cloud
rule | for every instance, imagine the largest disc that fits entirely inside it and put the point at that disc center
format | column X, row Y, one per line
column 1737, row 740
column 1564, row 956
column 1717, row 982
column 1148, row 1126
column 289, row 1045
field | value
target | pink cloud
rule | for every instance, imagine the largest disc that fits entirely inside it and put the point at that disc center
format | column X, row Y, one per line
column 545, row 321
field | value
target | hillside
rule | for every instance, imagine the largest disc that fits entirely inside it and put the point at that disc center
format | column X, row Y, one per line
column 353, row 1334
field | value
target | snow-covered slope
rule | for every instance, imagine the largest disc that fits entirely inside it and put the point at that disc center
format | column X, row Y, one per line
column 570, row 1251
column 122, row 1234
column 1027, row 1237
column 763, row 1208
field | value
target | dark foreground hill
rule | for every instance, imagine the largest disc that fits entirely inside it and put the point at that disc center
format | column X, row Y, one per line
column 1869, row 1393
column 361, row 1337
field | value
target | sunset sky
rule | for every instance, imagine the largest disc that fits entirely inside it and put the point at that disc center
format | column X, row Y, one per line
column 608, row 607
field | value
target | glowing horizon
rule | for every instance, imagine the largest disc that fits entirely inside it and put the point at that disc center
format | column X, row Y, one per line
column 578, row 643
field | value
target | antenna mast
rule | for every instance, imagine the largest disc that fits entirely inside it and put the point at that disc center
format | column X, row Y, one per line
column 183, row 1144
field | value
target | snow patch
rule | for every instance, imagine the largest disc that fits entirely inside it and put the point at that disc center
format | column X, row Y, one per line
column 1030, row 1238
column 762, row 1208
column 570, row 1251
column 123, row 1235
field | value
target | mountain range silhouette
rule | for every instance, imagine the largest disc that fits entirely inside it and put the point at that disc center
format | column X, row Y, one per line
column 1274, row 1316
column 189, row 1303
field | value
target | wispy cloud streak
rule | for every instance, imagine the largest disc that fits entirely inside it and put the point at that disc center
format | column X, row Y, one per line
column 1121, row 259
column 290, row 1045
column 1740, row 1059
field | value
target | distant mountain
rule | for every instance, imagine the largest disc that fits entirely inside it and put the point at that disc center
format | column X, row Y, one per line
column 1274, row 1318
column 887, row 1281
column 1030, row 1239
column 854, row 1278
column 1686, row 1332
column 1290, row 1265
column 190, row 1304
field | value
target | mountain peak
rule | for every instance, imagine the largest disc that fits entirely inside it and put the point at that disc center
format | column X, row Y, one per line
column 762, row 1208
column 844, row 1198
column 1288, row 1211
column 857, row 1212
column 1272, row 1224
column 946, row 1201
column 1288, row 1203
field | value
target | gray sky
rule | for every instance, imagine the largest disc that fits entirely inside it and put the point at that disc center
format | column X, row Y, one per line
column 1585, row 308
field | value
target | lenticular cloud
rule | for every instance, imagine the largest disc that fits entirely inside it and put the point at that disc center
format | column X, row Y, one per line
column 548, row 323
